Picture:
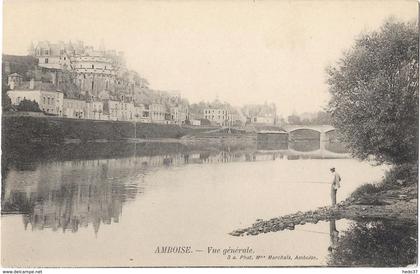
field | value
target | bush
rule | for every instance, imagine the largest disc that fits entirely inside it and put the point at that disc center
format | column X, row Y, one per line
column 378, row 243
column 367, row 189
column 397, row 176
column 27, row 105
column 402, row 175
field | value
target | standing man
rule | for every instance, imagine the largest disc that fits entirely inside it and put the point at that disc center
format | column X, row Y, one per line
column 334, row 185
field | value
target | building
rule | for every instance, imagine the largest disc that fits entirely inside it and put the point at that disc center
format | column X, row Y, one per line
column 74, row 108
column 14, row 80
column 119, row 110
column 220, row 116
column 179, row 114
column 53, row 55
column 94, row 110
column 260, row 114
column 45, row 94
column 263, row 119
column 95, row 73
column 96, row 70
column 141, row 113
column 195, row 122
column 157, row 113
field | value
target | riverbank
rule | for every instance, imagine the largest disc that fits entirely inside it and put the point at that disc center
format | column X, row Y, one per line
column 58, row 130
column 393, row 198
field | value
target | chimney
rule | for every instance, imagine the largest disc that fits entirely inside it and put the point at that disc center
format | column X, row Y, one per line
column 32, row 84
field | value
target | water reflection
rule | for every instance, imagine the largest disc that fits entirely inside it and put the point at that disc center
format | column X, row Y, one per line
column 333, row 236
column 62, row 188
column 72, row 194
column 374, row 243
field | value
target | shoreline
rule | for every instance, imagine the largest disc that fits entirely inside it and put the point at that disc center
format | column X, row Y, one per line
column 398, row 204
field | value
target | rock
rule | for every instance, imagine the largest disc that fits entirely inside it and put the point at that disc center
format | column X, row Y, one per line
column 290, row 226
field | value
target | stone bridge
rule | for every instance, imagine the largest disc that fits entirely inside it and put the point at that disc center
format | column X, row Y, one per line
column 321, row 129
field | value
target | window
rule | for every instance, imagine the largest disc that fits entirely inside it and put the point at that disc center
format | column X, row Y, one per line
column 46, row 60
column 93, row 66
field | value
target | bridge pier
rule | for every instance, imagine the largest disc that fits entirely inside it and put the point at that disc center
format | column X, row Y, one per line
column 322, row 140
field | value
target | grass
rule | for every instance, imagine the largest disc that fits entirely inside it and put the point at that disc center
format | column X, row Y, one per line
column 397, row 177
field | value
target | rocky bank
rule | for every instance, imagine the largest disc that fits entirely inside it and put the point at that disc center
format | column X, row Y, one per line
column 397, row 204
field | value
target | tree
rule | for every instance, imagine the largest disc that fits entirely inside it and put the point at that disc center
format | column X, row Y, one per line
column 293, row 120
column 5, row 99
column 374, row 94
column 205, row 122
column 27, row 105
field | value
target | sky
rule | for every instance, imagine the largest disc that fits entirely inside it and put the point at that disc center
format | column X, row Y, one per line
column 242, row 52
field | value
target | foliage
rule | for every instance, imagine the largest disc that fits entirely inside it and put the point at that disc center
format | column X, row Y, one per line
column 402, row 175
column 293, row 119
column 24, row 65
column 205, row 122
column 367, row 189
column 319, row 118
column 397, row 176
column 376, row 244
column 28, row 105
column 374, row 90
column 6, row 103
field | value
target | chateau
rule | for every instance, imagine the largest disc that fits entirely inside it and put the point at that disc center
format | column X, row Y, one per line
column 92, row 84
column 73, row 80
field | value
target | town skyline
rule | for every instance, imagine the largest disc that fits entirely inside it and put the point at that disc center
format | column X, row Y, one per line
column 208, row 55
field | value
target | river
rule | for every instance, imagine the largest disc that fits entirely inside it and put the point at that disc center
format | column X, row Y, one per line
column 121, row 206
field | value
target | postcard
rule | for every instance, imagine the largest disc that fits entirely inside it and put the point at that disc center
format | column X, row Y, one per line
column 209, row 134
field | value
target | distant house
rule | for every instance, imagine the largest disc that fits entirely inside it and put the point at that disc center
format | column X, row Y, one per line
column 218, row 116
column 14, row 80
column 94, row 110
column 45, row 94
column 141, row 113
column 260, row 114
column 74, row 108
column 157, row 113
column 179, row 114
column 195, row 122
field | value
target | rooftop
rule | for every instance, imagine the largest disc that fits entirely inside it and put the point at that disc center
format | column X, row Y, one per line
column 16, row 75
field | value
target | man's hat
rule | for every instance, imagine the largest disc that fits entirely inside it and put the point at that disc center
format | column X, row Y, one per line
column 332, row 169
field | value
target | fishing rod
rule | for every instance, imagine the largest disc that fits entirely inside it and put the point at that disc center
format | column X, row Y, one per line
column 305, row 183
column 312, row 231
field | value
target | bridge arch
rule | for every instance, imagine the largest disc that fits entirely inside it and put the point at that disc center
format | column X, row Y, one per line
column 305, row 139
